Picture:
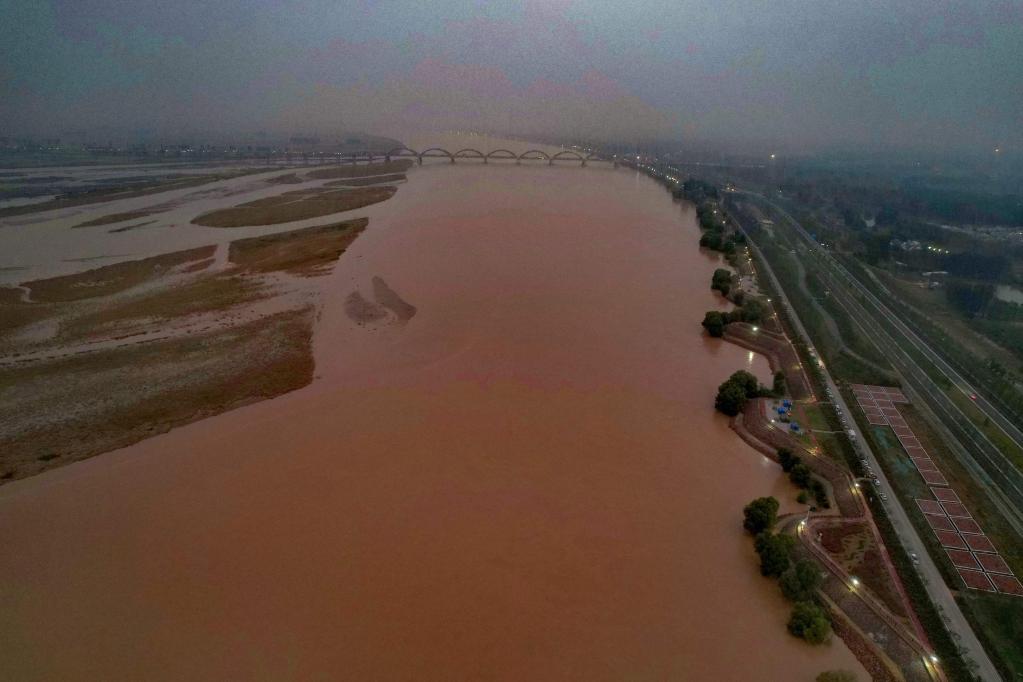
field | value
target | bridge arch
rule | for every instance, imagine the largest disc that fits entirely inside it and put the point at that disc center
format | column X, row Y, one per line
column 400, row 152
column 503, row 154
column 435, row 153
column 470, row 154
column 568, row 154
column 534, row 155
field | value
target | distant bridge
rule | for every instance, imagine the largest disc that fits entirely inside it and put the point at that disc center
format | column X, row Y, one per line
column 497, row 154
column 468, row 154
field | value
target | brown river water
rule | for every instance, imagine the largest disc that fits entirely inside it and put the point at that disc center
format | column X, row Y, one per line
column 524, row 481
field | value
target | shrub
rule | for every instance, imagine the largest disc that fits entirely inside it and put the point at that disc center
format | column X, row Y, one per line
column 801, row 581
column 799, row 474
column 820, row 494
column 730, row 399
column 760, row 515
column 787, row 459
column 809, row 622
column 714, row 323
column 733, row 393
column 752, row 311
column 721, row 281
column 775, row 552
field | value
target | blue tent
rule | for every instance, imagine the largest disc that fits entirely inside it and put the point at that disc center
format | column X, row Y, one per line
column 787, row 403
column 781, row 410
column 794, row 426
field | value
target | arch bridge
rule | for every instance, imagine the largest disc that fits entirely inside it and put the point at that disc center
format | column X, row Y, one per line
column 290, row 158
column 496, row 154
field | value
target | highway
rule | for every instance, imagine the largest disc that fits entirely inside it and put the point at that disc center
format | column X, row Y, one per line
column 938, row 592
column 975, row 450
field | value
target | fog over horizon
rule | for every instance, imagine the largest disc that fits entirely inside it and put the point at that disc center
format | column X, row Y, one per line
column 792, row 76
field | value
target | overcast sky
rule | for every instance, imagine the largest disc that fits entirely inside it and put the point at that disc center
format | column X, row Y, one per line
column 796, row 75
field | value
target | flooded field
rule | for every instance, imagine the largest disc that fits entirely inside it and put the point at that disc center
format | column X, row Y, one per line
column 507, row 467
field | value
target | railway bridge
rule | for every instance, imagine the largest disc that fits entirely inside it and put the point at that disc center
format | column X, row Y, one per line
column 533, row 155
column 497, row 154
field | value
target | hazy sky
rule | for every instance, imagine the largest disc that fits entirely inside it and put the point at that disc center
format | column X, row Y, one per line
column 796, row 75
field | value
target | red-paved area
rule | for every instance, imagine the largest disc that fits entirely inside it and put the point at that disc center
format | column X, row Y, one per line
column 945, row 494
column 979, row 543
column 993, row 563
column 933, row 478
column 962, row 559
column 956, row 509
column 930, row 507
column 939, row 522
column 1007, row 584
column 977, row 580
column 950, row 538
column 948, row 517
column 967, row 526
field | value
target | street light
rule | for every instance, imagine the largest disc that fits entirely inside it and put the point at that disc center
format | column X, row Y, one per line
column 855, row 582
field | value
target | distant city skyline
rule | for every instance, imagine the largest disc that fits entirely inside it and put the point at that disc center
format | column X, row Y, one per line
column 793, row 76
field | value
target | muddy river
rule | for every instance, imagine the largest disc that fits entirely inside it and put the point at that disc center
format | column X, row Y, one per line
column 521, row 479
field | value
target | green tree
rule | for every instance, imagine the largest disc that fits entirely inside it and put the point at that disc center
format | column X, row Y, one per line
column 730, row 399
column 760, row 515
column 779, row 383
column 721, row 281
column 820, row 494
column 787, row 459
column 752, row 311
column 801, row 581
column 714, row 323
column 775, row 553
column 799, row 474
column 711, row 240
column 809, row 622
column 746, row 381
